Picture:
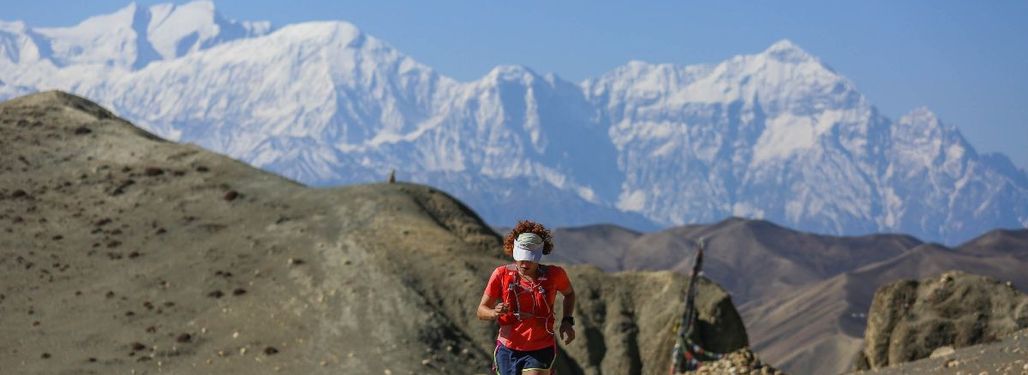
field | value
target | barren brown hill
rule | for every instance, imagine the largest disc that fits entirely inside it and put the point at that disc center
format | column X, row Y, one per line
column 750, row 258
column 121, row 253
column 819, row 329
column 803, row 297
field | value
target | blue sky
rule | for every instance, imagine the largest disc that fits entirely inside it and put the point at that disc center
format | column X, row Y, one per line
column 965, row 60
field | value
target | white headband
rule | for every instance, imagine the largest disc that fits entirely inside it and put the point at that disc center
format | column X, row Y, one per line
column 528, row 247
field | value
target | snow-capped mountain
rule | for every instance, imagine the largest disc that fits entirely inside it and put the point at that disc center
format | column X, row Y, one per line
column 775, row 135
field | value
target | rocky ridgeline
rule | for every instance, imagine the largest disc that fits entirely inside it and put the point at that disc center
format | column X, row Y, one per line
column 909, row 320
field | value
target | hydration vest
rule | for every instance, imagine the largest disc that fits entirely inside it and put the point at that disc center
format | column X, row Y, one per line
column 520, row 308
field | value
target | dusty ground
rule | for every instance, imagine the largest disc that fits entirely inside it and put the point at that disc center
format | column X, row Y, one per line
column 1008, row 356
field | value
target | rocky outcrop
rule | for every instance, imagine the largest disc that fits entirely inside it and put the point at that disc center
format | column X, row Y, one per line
column 910, row 319
column 628, row 318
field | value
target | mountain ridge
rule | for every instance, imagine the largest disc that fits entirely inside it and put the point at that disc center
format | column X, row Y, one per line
column 775, row 135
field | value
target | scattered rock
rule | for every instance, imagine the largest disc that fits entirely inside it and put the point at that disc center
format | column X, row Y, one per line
column 45, row 356
column 153, row 171
column 138, row 346
column 184, row 338
column 270, row 350
column 231, row 195
column 215, row 294
column 942, row 352
column 82, row 130
column 121, row 188
column 238, row 292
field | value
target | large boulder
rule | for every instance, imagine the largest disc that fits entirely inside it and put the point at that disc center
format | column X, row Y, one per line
column 910, row 319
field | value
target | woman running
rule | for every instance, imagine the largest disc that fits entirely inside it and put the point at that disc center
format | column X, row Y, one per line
column 521, row 297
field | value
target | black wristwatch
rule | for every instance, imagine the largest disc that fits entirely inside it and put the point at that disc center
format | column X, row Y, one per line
column 569, row 320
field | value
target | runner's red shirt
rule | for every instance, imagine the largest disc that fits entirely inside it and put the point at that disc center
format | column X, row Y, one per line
column 533, row 333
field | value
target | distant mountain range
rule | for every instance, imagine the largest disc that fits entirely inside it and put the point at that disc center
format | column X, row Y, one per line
column 776, row 135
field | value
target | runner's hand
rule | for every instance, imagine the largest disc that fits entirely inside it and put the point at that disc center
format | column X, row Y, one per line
column 500, row 309
column 567, row 332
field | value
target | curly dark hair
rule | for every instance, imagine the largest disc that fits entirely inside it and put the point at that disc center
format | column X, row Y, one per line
column 527, row 226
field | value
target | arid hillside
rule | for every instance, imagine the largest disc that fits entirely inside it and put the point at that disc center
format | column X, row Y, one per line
column 121, row 252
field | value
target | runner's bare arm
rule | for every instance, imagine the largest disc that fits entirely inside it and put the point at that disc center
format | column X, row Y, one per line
column 486, row 312
column 569, row 300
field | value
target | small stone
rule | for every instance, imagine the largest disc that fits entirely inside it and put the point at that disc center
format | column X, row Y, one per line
column 242, row 351
column 153, row 171
column 215, row 294
column 238, row 292
column 184, row 338
column 45, row 356
column 426, row 362
column 231, row 195
column 137, row 346
column 270, row 350
column 82, row 130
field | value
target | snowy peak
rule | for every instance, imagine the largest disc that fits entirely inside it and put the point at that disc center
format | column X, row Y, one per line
column 109, row 39
column 512, row 73
column 176, row 30
column 921, row 117
column 133, row 36
column 786, row 51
